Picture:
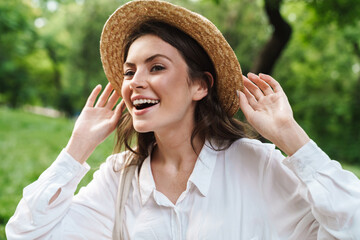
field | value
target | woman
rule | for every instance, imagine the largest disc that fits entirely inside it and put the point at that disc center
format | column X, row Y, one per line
column 197, row 174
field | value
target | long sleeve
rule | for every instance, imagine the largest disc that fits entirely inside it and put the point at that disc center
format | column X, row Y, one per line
column 90, row 210
column 333, row 193
column 311, row 196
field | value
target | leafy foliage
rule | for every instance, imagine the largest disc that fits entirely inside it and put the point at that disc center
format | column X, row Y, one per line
column 57, row 63
column 343, row 12
column 322, row 59
column 16, row 44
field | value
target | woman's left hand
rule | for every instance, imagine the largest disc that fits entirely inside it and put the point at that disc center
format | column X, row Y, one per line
column 267, row 109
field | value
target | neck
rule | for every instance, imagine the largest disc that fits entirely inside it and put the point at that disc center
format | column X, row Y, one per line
column 175, row 149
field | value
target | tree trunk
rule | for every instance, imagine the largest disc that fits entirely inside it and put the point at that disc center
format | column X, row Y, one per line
column 276, row 44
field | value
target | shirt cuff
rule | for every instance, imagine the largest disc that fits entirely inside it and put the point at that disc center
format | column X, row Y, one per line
column 307, row 161
column 70, row 168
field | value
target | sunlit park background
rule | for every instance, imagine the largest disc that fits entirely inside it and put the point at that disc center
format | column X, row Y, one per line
column 49, row 62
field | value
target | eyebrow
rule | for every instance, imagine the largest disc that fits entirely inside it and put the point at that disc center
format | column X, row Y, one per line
column 149, row 59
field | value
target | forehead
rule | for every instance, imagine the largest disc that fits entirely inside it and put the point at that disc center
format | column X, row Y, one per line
column 149, row 45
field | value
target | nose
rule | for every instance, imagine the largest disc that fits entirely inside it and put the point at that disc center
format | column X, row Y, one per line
column 138, row 81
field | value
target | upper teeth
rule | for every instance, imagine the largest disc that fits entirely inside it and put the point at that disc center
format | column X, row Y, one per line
column 142, row 101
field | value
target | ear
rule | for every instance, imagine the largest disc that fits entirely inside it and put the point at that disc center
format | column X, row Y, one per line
column 202, row 85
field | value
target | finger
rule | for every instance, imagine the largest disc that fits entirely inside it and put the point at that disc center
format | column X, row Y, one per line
column 250, row 97
column 244, row 104
column 271, row 81
column 262, row 84
column 118, row 110
column 93, row 95
column 122, row 106
column 252, row 87
column 112, row 100
column 104, row 96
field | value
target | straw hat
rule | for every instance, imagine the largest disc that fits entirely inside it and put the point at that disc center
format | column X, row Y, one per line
column 127, row 17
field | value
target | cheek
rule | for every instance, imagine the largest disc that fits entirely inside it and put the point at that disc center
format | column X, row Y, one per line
column 125, row 93
column 173, row 86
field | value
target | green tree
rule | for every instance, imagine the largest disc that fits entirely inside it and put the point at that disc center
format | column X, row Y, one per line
column 84, row 69
column 344, row 16
column 17, row 40
column 319, row 67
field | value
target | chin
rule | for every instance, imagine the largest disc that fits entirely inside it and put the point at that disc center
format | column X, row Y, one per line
column 141, row 128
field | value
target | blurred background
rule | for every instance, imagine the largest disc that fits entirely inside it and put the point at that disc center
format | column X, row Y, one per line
column 49, row 62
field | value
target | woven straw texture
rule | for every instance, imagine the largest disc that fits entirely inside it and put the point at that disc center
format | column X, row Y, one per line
column 126, row 18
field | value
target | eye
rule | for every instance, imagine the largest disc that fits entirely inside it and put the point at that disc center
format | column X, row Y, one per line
column 129, row 73
column 156, row 68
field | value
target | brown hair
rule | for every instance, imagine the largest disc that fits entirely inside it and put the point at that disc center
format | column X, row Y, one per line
column 211, row 121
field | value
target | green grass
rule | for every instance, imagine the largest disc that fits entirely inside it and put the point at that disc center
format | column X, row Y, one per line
column 29, row 144
column 353, row 168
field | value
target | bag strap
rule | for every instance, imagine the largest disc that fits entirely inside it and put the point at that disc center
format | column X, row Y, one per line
column 125, row 179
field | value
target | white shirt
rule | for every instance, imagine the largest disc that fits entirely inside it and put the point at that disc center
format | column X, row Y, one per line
column 249, row 191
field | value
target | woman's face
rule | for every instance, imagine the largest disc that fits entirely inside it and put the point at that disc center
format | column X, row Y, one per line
column 156, row 88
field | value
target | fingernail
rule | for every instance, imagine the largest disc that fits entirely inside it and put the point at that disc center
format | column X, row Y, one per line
column 238, row 93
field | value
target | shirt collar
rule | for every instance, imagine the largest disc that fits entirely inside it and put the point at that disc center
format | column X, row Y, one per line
column 204, row 168
column 200, row 177
column 146, row 180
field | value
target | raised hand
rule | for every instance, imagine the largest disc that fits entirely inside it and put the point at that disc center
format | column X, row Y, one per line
column 95, row 123
column 267, row 109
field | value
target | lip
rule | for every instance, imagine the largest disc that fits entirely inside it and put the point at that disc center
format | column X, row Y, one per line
column 144, row 111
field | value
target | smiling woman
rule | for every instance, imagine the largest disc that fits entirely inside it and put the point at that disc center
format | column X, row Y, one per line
column 184, row 55
column 157, row 72
column 194, row 172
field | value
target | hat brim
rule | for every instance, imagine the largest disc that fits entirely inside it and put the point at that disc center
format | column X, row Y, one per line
column 130, row 15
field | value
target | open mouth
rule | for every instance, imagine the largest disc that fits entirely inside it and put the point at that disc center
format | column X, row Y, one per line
column 140, row 104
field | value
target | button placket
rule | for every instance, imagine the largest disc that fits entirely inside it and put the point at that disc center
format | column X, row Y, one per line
column 177, row 229
column 173, row 223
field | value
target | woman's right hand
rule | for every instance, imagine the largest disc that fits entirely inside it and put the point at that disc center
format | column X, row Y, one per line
column 95, row 123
